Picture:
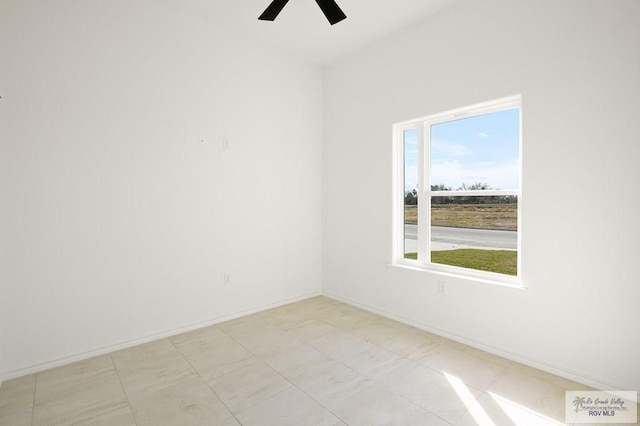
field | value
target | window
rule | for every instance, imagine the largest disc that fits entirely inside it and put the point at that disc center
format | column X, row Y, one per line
column 459, row 191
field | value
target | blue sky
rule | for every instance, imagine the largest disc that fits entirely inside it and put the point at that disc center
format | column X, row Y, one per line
column 483, row 149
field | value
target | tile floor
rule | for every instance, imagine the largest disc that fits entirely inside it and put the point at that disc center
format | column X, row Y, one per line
column 316, row 362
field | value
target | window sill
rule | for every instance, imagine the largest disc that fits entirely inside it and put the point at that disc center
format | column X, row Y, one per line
column 513, row 284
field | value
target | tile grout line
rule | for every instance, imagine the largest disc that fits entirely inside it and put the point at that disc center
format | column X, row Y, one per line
column 124, row 391
column 328, row 409
column 263, row 362
column 396, row 393
column 203, row 379
column 33, row 403
column 381, row 384
column 431, row 368
column 350, row 333
column 326, row 369
column 341, row 362
column 293, row 385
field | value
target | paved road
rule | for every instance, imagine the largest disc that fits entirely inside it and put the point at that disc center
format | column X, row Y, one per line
column 446, row 238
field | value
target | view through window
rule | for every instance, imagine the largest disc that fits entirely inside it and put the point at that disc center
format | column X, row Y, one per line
column 464, row 216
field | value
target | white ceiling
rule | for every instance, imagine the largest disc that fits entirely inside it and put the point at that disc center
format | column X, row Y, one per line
column 301, row 28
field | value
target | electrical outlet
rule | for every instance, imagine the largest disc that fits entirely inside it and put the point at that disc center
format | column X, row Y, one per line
column 226, row 280
column 225, row 143
column 442, row 287
column 202, row 140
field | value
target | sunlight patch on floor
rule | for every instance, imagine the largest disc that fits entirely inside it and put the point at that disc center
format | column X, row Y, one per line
column 475, row 409
column 521, row 415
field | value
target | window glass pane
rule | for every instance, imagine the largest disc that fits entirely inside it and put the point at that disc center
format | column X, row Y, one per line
column 410, row 152
column 476, row 153
column 478, row 232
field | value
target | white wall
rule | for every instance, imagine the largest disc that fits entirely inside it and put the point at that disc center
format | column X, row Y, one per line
column 117, row 224
column 577, row 66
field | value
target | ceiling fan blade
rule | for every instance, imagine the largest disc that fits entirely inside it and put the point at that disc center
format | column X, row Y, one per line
column 331, row 10
column 273, row 10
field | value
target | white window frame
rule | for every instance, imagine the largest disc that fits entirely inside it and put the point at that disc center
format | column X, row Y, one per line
column 422, row 125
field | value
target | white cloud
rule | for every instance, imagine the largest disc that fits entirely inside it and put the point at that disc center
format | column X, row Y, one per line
column 500, row 175
column 483, row 134
column 449, row 149
column 450, row 173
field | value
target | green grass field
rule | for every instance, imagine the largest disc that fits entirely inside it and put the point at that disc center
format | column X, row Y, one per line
column 500, row 261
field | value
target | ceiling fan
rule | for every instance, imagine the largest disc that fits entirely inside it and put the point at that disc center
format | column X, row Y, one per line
column 329, row 7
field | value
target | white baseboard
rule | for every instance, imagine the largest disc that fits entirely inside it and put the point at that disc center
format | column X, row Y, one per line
column 570, row 375
column 146, row 339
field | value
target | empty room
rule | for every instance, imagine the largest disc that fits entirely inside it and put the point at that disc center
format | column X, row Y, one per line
column 257, row 212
